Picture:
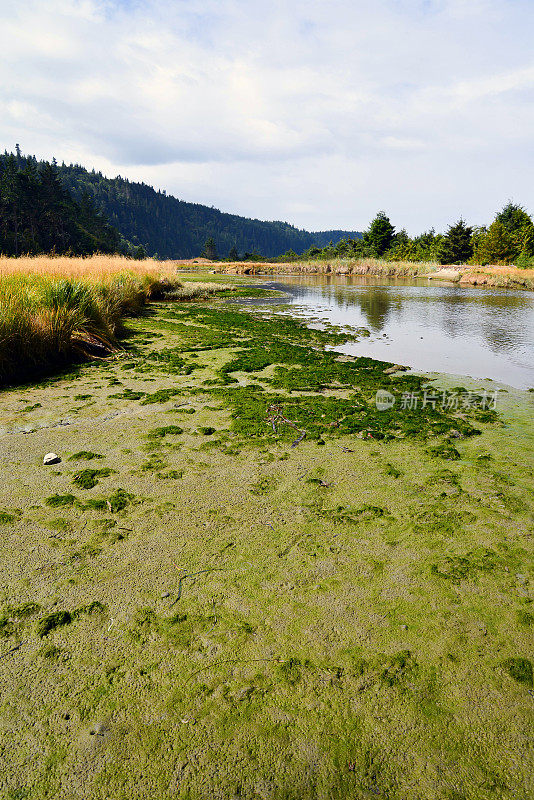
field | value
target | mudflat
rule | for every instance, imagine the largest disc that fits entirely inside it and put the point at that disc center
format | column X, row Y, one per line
column 243, row 580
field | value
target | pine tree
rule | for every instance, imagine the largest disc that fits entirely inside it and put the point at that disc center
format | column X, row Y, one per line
column 380, row 235
column 520, row 227
column 494, row 246
column 210, row 249
column 456, row 246
column 38, row 215
column 139, row 253
column 233, row 255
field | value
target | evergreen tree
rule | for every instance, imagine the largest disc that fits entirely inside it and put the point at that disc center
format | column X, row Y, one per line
column 513, row 217
column 233, row 255
column 456, row 246
column 38, row 215
column 520, row 227
column 210, row 249
column 402, row 248
column 139, row 253
column 380, row 235
column 427, row 246
column 495, row 245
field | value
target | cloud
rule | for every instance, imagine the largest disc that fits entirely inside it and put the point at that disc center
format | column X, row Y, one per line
column 317, row 112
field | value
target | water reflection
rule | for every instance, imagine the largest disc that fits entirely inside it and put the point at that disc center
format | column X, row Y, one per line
column 477, row 331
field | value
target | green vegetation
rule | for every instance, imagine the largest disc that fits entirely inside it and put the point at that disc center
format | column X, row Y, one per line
column 53, row 621
column 115, row 503
column 145, row 221
column 58, row 500
column 38, row 215
column 88, row 478
column 520, row 669
column 85, row 455
column 46, row 322
column 64, row 208
column 456, row 246
column 166, row 430
column 509, row 239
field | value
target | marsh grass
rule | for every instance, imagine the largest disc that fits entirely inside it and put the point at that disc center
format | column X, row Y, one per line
column 57, row 310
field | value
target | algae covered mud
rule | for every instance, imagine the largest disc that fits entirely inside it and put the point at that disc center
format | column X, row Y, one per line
column 243, row 579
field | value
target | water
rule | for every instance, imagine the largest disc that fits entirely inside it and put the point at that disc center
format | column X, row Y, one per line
column 475, row 331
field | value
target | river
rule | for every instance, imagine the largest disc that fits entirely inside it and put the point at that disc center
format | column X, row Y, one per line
column 432, row 327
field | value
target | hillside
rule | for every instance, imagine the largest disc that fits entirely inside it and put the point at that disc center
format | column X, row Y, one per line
column 173, row 228
column 38, row 214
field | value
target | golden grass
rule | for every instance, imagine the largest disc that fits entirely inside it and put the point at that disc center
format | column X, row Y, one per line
column 336, row 266
column 55, row 310
column 95, row 268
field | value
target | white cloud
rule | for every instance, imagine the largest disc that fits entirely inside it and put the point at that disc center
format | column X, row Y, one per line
column 320, row 112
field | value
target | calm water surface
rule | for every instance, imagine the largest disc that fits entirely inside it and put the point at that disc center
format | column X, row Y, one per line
column 480, row 332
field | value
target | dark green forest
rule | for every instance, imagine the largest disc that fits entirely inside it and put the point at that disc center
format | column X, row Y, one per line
column 38, row 215
column 172, row 228
column 49, row 207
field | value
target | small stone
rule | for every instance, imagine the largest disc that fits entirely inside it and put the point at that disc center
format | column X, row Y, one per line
column 51, row 458
column 165, row 594
column 404, row 627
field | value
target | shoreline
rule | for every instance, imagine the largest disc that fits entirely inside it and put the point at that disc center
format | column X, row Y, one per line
column 506, row 277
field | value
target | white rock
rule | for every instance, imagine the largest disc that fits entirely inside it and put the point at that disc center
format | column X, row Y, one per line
column 51, row 458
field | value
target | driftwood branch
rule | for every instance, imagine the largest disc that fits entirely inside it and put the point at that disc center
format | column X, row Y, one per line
column 276, row 418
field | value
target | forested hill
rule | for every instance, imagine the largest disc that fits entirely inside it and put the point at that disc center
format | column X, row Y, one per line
column 38, row 215
column 173, row 228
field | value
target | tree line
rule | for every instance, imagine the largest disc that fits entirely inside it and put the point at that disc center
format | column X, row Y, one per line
column 51, row 207
column 46, row 208
column 509, row 239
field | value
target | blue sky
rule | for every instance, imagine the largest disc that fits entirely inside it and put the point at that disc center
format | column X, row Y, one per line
column 319, row 113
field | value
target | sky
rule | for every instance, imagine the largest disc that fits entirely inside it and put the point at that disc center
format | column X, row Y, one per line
column 319, row 113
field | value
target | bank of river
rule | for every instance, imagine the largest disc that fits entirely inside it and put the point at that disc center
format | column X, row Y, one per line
column 468, row 275
column 199, row 601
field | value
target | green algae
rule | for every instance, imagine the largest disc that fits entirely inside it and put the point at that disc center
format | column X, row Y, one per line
column 115, row 503
column 458, row 568
column 446, row 451
column 88, row 478
column 52, row 621
column 59, row 500
column 206, row 430
column 161, row 396
column 85, row 455
column 167, row 430
column 520, row 669
column 127, row 394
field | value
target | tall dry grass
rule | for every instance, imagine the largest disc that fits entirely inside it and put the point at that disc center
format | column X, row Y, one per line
column 334, row 266
column 55, row 310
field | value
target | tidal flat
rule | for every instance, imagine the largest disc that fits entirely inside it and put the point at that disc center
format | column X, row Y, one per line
column 199, row 601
